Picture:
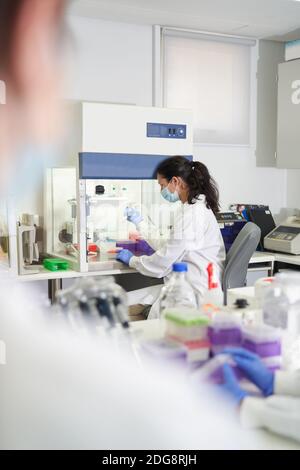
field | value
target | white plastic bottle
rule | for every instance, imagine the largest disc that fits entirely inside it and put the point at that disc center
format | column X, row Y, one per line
column 276, row 306
column 178, row 292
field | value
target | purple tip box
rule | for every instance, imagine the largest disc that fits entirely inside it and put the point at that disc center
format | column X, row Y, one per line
column 138, row 248
column 222, row 337
column 264, row 341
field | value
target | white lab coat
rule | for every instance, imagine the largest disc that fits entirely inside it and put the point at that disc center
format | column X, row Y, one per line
column 195, row 238
column 279, row 413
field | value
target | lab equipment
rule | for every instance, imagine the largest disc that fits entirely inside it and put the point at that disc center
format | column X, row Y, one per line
column 119, row 156
column 248, row 314
column 238, row 257
column 28, row 250
column 254, row 369
column 133, row 215
column 55, row 264
column 127, row 245
column 285, row 237
column 188, row 327
column 9, row 260
column 265, row 341
column 99, row 189
column 138, row 248
column 165, row 350
column 213, row 296
column 178, row 292
column 276, row 306
column 230, row 223
column 4, row 235
column 143, row 248
column 224, row 330
column 281, row 308
column 261, row 289
column 211, row 371
column 260, row 215
column 96, row 298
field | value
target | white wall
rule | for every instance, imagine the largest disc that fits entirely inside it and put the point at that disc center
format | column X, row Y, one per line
column 240, row 181
column 293, row 188
column 112, row 62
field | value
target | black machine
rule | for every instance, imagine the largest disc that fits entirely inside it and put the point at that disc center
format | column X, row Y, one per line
column 230, row 223
column 260, row 215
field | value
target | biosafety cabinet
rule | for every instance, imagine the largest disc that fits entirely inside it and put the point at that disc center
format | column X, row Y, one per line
column 118, row 149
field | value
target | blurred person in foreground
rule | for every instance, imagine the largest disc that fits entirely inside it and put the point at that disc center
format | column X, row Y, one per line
column 277, row 408
column 60, row 389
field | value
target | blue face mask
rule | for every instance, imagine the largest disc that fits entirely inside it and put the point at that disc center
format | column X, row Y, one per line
column 168, row 196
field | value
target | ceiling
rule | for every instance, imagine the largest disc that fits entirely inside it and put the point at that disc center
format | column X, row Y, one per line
column 274, row 19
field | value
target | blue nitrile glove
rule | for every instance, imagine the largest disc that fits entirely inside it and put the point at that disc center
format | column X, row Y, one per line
column 231, row 386
column 254, row 369
column 133, row 215
column 124, row 256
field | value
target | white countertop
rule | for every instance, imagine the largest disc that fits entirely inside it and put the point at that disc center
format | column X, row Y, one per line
column 286, row 258
column 44, row 274
column 262, row 257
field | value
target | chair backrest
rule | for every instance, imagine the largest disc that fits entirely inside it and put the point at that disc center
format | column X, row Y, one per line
column 238, row 257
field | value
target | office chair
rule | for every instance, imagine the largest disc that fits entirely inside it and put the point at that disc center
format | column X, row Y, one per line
column 238, row 257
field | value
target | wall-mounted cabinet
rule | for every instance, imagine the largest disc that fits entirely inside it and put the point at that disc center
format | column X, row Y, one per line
column 270, row 54
column 288, row 116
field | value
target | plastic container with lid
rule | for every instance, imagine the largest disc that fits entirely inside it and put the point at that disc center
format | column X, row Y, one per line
column 224, row 331
column 127, row 245
column 188, row 327
column 184, row 324
column 143, row 248
column 165, row 350
column 245, row 312
column 178, row 292
column 261, row 289
column 212, row 371
column 262, row 340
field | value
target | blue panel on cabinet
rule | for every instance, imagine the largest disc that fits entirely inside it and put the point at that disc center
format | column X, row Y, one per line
column 119, row 166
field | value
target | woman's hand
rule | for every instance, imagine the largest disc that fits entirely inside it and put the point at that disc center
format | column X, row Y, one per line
column 231, row 386
column 254, row 369
column 124, row 256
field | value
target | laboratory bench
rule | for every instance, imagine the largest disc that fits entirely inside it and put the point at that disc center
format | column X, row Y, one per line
column 264, row 262
column 259, row 262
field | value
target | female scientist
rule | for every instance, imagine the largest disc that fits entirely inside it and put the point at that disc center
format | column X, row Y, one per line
column 195, row 237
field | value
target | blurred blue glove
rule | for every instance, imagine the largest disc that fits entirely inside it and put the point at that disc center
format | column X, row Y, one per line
column 231, row 386
column 124, row 256
column 133, row 215
column 254, row 369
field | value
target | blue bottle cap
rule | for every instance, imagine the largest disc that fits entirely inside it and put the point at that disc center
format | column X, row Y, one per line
column 180, row 267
